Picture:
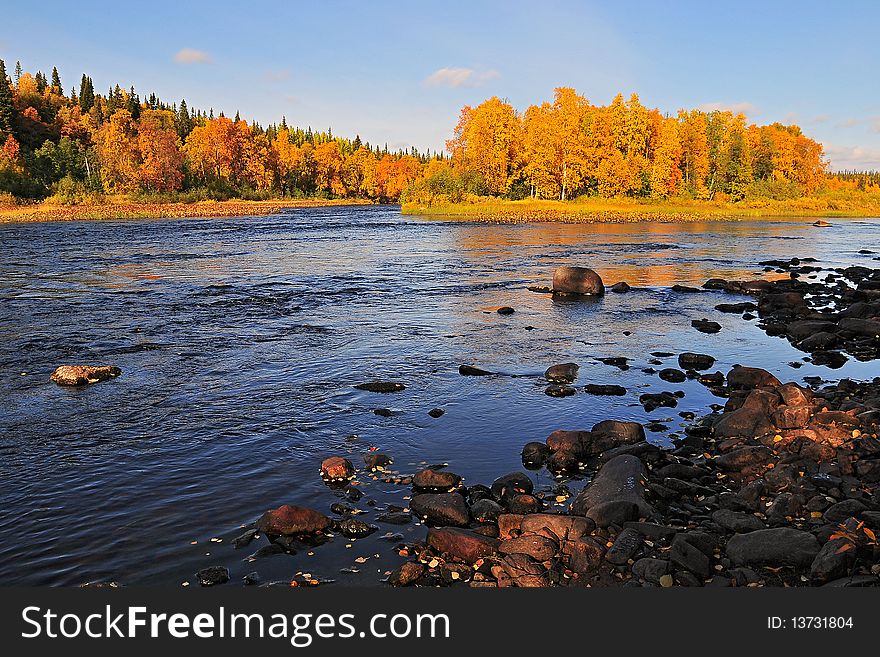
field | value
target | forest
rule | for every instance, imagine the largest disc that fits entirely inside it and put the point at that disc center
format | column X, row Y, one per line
column 80, row 147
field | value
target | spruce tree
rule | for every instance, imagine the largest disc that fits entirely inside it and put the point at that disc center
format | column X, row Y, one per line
column 56, row 81
column 7, row 109
column 86, row 93
column 17, row 72
column 184, row 121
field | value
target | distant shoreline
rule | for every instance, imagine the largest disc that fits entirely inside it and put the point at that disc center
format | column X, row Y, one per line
column 628, row 211
column 171, row 210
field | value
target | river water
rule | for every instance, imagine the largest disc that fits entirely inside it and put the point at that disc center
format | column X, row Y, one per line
column 240, row 342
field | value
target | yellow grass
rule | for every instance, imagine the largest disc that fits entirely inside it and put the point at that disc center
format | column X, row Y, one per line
column 121, row 208
column 624, row 210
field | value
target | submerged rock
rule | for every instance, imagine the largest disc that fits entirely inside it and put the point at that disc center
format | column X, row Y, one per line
column 577, row 281
column 563, row 373
column 213, row 575
column 706, row 326
column 381, row 386
column 77, row 375
column 692, row 361
column 469, row 370
column 610, row 390
column 559, row 391
column 621, row 288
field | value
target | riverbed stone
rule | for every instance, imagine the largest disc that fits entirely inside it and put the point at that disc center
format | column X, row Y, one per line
column 381, row 386
column 77, row 375
column 691, row 361
column 292, row 520
column 462, row 543
column 336, row 468
column 780, row 546
column 620, row 480
column 441, row 509
column 577, row 281
column 439, row 481
column 562, row 373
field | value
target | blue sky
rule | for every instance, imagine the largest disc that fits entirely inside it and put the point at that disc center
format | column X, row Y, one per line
column 398, row 72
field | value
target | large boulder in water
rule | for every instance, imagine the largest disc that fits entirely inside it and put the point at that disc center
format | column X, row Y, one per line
column 618, row 486
column 577, row 281
column 77, row 375
column 291, row 520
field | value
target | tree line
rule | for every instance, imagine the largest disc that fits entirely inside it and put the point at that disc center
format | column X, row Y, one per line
column 570, row 147
column 81, row 144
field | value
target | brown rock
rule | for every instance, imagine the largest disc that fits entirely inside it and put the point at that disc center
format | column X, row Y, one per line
column 291, row 520
column 578, row 281
column 462, row 544
column 336, row 468
column 539, row 548
column 441, row 509
column 77, row 375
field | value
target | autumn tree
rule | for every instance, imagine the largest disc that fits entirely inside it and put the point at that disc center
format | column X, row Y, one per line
column 116, row 142
column 161, row 162
column 665, row 172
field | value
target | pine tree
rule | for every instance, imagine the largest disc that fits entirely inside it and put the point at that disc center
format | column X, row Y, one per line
column 56, row 81
column 134, row 104
column 237, row 116
column 86, row 93
column 17, row 72
column 7, row 109
column 184, row 121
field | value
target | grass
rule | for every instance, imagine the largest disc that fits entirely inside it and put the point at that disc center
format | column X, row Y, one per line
column 626, row 210
column 123, row 208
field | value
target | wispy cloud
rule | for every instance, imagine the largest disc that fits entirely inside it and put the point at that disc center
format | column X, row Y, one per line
column 736, row 108
column 192, row 56
column 852, row 157
column 822, row 118
column 278, row 75
column 459, row 77
column 848, row 123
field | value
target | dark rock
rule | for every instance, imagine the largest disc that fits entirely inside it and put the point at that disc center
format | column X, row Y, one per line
column 291, row 520
column 749, row 378
column 436, row 412
column 624, row 547
column 577, row 281
column 381, row 386
column 744, row 457
column 213, row 575
column 441, row 509
column 609, row 434
column 535, row 454
column 353, row 528
column 583, row 555
column 692, row 361
column 406, row 574
column 620, row 480
column 439, row 481
column 620, row 362
column 77, row 375
column 832, row 562
column 559, row 391
column 672, row 375
column 468, row 370
column 524, row 504
column 383, row 412
column 841, row 511
column 539, row 548
column 686, row 289
column 706, row 326
column 557, row 526
column 651, row 570
column 395, row 517
column 506, row 310
column 511, row 485
column 780, row 546
column 244, row 539
column 486, row 510
column 621, row 287
column 610, row 390
column 375, row 460
column 563, row 373
column 737, row 308
column 685, row 555
column 739, row 523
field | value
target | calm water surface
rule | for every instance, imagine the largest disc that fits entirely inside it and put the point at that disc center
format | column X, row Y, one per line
column 240, row 341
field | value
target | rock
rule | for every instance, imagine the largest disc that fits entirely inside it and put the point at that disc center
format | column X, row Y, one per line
column 462, row 544
column 624, row 547
column 652, row 530
column 687, row 289
column 291, row 520
column 524, row 504
column 376, row 460
column 438, row 481
column 406, row 574
column 737, row 308
column 468, row 370
column 353, row 528
column 577, row 281
column 832, row 563
column 841, row 511
column 513, row 484
column 559, row 391
column 244, row 539
column 620, row 480
column 615, row 512
column 692, row 361
column 744, row 457
column 652, row 401
column 381, row 386
column 436, row 412
column 651, row 570
column 336, row 468
column 685, row 555
column 706, row 326
column 780, row 546
column 749, row 378
column 583, row 555
column 672, row 375
column 620, row 362
column 563, row 461
column 751, row 419
column 609, row 434
column 505, row 310
column 77, row 375
column 441, row 509
column 539, row 548
column 821, row 223
column 383, row 412
column 535, row 454
column 520, row 571
column 563, row 373
column 486, row 511
column 557, row 526
column 610, row 390
column 739, row 523
column 213, row 575
column 395, row 517
column 621, row 288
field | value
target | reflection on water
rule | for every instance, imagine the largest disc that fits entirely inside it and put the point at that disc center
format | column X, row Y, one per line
column 240, row 341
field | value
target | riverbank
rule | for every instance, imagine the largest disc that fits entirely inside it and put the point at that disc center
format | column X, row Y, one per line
column 125, row 209
column 634, row 210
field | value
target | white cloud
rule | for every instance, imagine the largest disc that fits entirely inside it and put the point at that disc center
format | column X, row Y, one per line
column 852, row 157
column 736, row 108
column 278, row 75
column 192, row 56
column 848, row 123
column 459, row 77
